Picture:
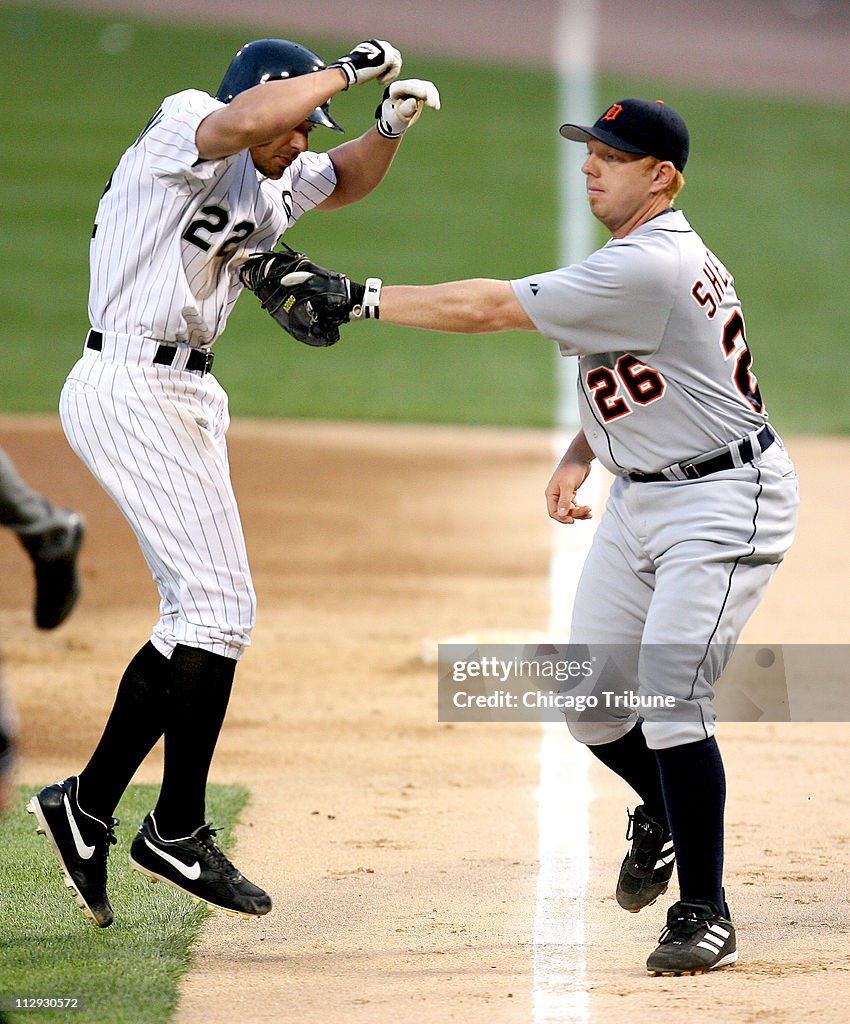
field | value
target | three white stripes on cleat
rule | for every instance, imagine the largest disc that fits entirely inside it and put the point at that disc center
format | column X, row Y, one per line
column 666, row 856
column 714, row 938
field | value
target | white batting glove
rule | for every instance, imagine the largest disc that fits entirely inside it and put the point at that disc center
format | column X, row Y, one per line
column 373, row 58
column 402, row 104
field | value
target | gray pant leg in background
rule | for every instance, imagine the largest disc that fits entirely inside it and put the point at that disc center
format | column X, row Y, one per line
column 21, row 508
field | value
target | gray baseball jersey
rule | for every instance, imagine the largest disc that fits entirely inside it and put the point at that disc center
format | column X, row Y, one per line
column 170, row 234
column 678, row 564
column 664, row 368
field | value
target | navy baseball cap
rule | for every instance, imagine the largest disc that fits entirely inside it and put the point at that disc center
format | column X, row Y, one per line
column 647, row 127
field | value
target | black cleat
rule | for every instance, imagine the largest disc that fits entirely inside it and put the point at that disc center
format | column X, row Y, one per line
column 196, row 866
column 646, row 870
column 57, row 582
column 81, row 844
column 697, row 939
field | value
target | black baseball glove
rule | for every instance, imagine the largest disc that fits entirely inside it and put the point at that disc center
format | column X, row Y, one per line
column 308, row 301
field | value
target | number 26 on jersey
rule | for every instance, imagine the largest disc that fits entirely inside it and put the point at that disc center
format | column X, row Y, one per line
column 631, row 383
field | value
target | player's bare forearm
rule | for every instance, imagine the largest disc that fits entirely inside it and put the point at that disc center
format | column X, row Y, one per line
column 570, row 474
column 328, row 299
column 262, row 113
column 477, row 306
column 579, row 450
column 360, row 166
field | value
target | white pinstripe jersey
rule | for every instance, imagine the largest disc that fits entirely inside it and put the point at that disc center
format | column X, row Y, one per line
column 664, row 368
column 171, row 232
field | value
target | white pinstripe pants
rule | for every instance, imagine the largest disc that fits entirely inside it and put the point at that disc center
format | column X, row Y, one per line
column 154, row 438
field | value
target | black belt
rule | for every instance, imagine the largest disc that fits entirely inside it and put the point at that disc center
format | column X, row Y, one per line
column 693, row 471
column 198, row 361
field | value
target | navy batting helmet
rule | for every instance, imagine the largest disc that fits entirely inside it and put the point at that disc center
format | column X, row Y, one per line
column 264, row 60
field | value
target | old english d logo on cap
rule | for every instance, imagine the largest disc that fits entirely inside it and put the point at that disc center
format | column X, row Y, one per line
column 612, row 113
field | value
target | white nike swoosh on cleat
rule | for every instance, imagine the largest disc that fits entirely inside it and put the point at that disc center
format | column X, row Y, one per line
column 82, row 850
column 190, row 871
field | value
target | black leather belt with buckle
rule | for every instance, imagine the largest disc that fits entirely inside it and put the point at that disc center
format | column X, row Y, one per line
column 695, row 470
column 198, row 361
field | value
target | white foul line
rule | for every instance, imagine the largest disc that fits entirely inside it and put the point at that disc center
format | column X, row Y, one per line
column 560, row 994
column 564, row 796
column 560, row 981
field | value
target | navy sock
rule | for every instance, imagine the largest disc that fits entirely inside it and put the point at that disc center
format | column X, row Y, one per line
column 134, row 725
column 631, row 759
column 199, row 688
column 694, row 786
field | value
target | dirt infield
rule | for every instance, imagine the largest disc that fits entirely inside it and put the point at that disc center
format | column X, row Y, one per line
column 402, row 853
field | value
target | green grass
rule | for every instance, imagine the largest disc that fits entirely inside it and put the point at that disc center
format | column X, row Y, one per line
column 125, row 974
column 472, row 193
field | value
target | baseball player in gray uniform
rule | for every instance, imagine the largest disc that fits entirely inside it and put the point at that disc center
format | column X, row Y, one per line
column 702, row 509
column 208, row 181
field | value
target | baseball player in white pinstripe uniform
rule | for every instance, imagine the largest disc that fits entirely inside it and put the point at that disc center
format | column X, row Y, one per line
column 207, row 182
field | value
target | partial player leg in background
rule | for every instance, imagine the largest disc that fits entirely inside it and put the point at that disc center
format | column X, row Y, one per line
column 8, row 739
column 51, row 536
